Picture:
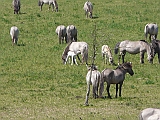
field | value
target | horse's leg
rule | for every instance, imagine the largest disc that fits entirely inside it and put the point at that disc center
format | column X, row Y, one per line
column 123, row 55
column 41, row 6
column 94, row 91
column 120, row 88
column 142, row 57
column 101, row 88
column 79, row 58
column 108, row 86
column 159, row 57
column 87, row 94
column 52, row 7
column 74, row 57
column 150, row 37
column 155, row 36
column 116, row 90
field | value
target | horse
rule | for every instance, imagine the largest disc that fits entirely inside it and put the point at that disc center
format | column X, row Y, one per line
column 115, row 76
column 92, row 78
column 152, row 29
column 134, row 47
column 17, row 6
column 88, row 8
column 61, row 32
column 77, row 48
column 49, row 2
column 71, row 31
column 156, row 46
column 150, row 114
column 71, row 55
column 107, row 54
column 14, row 32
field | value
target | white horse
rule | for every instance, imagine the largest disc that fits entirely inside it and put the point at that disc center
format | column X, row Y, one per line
column 14, row 32
column 92, row 78
column 107, row 54
column 77, row 48
column 16, row 5
column 88, row 8
column 71, row 55
column 49, row 2
column 61, row 32
column 71, row 31
column 150, row 114
column 151, row 29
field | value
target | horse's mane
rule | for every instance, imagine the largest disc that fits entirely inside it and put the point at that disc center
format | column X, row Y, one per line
column 67, row 49
column 143, row 41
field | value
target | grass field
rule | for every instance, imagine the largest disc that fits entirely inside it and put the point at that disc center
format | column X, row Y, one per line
column 34, row 84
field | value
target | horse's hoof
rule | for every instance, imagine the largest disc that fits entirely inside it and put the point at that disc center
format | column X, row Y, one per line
column 86, row 104
column 109, row 97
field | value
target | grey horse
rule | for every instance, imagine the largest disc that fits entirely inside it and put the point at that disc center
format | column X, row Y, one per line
column 150, row 114
column 151, row 29
column 49, row 2
column 88, row 8
column 14, row 32
column 115, row 76
column 71, row 31
column 16, row 6
column 61, row 32
column 135, row 47
column 92, row 78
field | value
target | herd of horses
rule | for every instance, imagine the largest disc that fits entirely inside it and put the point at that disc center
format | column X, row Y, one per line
column 110, row 76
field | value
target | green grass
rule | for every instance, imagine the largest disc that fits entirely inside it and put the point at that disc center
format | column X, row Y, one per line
column 34, row 84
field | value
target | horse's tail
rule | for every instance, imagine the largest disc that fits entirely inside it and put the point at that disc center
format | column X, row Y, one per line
column 116, row 48
column 146, row 31
column 86, row 54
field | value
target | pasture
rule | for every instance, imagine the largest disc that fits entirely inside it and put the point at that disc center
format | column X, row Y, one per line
column 34, row 84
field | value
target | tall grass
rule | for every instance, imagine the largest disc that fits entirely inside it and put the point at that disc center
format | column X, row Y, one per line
column 34, row 84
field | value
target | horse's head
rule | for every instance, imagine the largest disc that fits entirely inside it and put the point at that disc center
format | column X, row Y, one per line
column 111, row 60
column 64, row 58
column 128, row 67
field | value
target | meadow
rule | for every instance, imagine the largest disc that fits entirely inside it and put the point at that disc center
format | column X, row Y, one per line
column 34, row 84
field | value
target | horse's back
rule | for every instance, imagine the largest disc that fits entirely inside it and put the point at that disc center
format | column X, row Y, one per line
column 149, row 114
column 14, row 31
column 60, row 28
column 95, row 77
column 88, row 6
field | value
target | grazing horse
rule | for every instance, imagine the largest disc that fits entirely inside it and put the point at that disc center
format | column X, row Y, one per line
column 134, row 47
column 16, row 5
column 151, row 29
column 88, row 8
column 77, row 48
column 49, row 2
column 150, row 114
column 92, row 78
column 61, row 32
column 156, row 46
column 71, row 55
column 115, row 76
column 14, row 32
column 107, row 54
column 71, row 31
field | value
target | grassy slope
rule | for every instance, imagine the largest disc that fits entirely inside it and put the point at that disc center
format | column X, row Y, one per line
column 34, row 84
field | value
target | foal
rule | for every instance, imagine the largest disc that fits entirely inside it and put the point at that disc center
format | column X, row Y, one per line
column 71, row 55
column 107, row 54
